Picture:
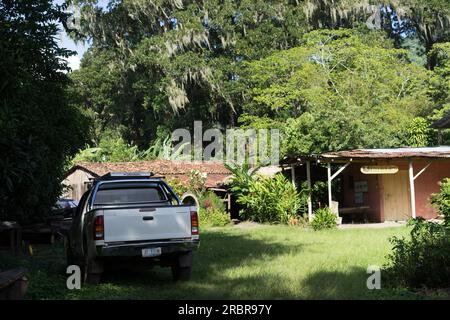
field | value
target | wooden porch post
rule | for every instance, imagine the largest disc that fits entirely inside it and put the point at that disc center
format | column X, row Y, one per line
column 308, row 179
column 411, row 189
column 293, row 175
column 329, row 185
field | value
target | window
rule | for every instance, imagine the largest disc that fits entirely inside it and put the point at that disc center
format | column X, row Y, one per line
column 123, row 193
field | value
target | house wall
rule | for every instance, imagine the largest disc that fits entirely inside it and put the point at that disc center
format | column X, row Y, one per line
column 428, row 183
column 371, row 198
column 77, row 184
column 425, row 185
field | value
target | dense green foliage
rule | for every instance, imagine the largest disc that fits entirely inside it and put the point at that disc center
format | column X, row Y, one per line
column 423, row 260
column 159, row 65
column 418, row 133
column 441, row 201
column 153, row 60
column 212, row 211
column 113, row 148
column 177, row 186
column 324, row 219
column 241, row 178
column 440, row 92
column 272, row 200
column 39, row 127
column 341, row 89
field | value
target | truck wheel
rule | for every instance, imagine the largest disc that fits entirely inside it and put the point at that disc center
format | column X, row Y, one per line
column 90, row 277
column 88, row 274
column 182, row 267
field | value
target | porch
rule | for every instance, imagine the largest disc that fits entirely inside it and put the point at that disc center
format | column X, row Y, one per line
column 374, row 185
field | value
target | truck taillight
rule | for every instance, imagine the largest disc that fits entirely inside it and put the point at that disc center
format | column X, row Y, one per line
column 99, row 228
column 194, row 223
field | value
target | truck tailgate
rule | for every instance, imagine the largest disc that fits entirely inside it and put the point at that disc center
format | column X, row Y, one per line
column 151, row 223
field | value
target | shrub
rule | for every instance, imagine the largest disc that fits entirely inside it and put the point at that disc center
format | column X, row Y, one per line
column 324, row 219
column 177, row 186
column 418, row 132
column 196, row 184
column 242, row 178
column 272, row 200
column 162, row 148
column 319, row 194
column 441, row 201
column 197, row 181
column 111, row 148
column 423, row 260
column 213, row 218
column 212, row 211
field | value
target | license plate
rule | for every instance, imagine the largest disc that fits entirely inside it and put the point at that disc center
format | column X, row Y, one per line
column 151, row 252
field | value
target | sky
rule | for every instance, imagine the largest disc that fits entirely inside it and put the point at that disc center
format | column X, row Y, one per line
column 66, row 42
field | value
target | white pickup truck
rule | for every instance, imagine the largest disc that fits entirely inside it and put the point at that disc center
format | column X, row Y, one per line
column 132, row 218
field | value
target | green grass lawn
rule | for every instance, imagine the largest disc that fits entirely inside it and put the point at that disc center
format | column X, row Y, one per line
column 264, row 262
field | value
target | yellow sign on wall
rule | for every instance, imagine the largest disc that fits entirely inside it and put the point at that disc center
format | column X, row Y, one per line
column 379, row 169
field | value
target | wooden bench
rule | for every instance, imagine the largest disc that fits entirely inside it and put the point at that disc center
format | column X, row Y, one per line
column 13, row 284
column 355, row 213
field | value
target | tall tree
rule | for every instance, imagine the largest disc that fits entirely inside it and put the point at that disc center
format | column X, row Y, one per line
column 39, row 129
column 161, row 64
column 341, row 89
column 179, row 58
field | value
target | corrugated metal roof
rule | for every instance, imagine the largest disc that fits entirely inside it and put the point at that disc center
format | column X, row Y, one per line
column 428, row 152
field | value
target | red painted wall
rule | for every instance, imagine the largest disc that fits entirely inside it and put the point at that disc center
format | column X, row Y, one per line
column 426, row 184
column 371, row 198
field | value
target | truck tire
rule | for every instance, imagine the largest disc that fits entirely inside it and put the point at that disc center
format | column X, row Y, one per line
column 91, row 269
column 182, row 267
column 88, row 275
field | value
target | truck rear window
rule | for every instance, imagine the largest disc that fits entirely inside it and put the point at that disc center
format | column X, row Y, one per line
column 123, row 194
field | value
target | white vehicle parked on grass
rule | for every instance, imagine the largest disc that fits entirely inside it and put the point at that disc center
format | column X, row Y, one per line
column 132, row 218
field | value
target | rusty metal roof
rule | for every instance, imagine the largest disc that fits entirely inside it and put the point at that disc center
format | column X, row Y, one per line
column 441, row 152
column 427, row 152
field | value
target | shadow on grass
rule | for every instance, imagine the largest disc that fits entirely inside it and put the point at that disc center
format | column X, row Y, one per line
column 216, row 272
column 46, row 270
column 220, row 270
column 351, row 284
column 226, row 266
column 229, row 266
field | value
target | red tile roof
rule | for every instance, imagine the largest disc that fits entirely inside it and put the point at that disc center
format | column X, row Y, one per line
column 216, row 172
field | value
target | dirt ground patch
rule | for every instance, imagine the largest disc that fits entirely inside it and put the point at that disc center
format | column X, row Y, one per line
column 247, row 225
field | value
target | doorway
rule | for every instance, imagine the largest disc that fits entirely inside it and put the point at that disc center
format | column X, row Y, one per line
column 396, row 196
